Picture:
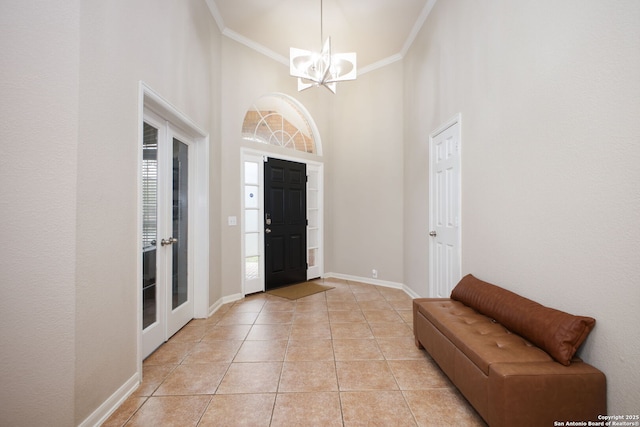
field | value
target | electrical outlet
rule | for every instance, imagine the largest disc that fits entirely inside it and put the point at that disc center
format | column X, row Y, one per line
column 374, row 273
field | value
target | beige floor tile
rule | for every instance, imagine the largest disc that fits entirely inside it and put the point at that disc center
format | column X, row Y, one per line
column 391, row 330
column 262, row 351
column 350, row 316
column 124, row 412
column 269, row 332
column 403, row 348
column 366, row 349
column 309, row 350
column 407, row 315
column 274, row 317
column 213, row 351
column 378, row 316
column 190, row 333
column 307, row 409
column 193, row 379
column 418, row 374
column 365, row 375
column 239, row 410
column 368, row 296
column 307, row 377
column 347, row 354
column 343, row 305
column 311, row 306
column 350, row 331
column 380, row 304
column 391, row 294
column 252, row 305
column 401, row 304
column 238, row 318
column 279, row 304
column 307, row 317
column 359, row 287
column 179, row 411
column 305, row 331
column 340, row 294
column 170, row 353
column 260, row 377
column 378, row 408
column 152, row 377
column 226, row 332
column 442, row 407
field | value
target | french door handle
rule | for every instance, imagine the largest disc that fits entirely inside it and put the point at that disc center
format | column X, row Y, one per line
column 169, row 241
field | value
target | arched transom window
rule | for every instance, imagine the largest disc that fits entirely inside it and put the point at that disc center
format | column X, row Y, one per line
column 280, row 120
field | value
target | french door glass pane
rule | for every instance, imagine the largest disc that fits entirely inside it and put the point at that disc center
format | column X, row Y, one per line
column 149, row 223
column 180, row 223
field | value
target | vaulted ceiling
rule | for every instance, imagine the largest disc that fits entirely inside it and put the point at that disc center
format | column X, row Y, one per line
column 379, row 31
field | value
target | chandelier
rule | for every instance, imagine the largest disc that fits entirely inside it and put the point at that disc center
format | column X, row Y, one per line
column 321, row 69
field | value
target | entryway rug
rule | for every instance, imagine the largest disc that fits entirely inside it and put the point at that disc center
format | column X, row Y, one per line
column 299, row 290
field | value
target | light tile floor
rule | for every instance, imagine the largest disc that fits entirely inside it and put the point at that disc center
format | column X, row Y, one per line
column 344, row 357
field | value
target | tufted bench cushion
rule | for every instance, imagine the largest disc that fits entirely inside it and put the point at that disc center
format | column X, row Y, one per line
column 483, row 341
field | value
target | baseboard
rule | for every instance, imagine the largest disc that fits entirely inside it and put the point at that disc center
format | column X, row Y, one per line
column 222, row 301
column 366, row 280
column 410, row 292
column 109, row 406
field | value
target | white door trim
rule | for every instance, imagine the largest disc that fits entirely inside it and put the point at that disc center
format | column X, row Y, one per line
column 249, row 154
column 456, row 274
column 149, row 99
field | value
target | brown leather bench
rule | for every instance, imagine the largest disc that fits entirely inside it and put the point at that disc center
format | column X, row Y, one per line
column 512, row 358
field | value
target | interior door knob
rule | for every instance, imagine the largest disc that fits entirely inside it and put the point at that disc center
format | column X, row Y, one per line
column 169, row 241
column 433, row 234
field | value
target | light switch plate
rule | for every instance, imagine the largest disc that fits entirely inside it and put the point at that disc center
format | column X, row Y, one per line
column 233, row 220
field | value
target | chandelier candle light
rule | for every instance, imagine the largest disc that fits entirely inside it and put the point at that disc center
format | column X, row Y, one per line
column 321, row 69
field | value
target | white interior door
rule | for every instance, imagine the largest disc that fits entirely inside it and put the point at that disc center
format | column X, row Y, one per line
column 167, row 285
column 444, row 219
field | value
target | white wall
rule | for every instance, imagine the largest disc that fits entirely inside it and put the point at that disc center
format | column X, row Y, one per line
column 168, row 45
column 68, row 190
column 361, row 131
column 38, row 136
column 247, row 75
column 364, row 177
column 549, row 95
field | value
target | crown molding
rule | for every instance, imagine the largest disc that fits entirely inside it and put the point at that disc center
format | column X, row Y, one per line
column 255, row 46
column 422, row 18
column 215, row 12
column 417, row 26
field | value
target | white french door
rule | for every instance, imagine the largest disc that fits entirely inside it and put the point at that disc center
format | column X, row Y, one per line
column 444, row 218
column 167, row 285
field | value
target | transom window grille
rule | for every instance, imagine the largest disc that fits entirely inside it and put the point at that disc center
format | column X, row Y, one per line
column 277, row 120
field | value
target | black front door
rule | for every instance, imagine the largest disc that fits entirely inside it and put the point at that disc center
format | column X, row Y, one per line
column 285, row 207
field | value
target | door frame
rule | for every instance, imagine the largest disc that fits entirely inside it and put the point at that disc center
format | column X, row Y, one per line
column 148, row 99
column 250, row 154
column 455, row 120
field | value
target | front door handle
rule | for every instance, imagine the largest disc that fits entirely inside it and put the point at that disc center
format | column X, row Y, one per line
column 267, row 230
column 169, row 241
column 433, row 234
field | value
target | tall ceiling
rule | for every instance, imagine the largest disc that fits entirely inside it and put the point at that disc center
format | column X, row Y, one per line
column 379, row 31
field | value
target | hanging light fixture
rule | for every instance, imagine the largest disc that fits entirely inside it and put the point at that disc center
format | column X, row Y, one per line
column 321, row 69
